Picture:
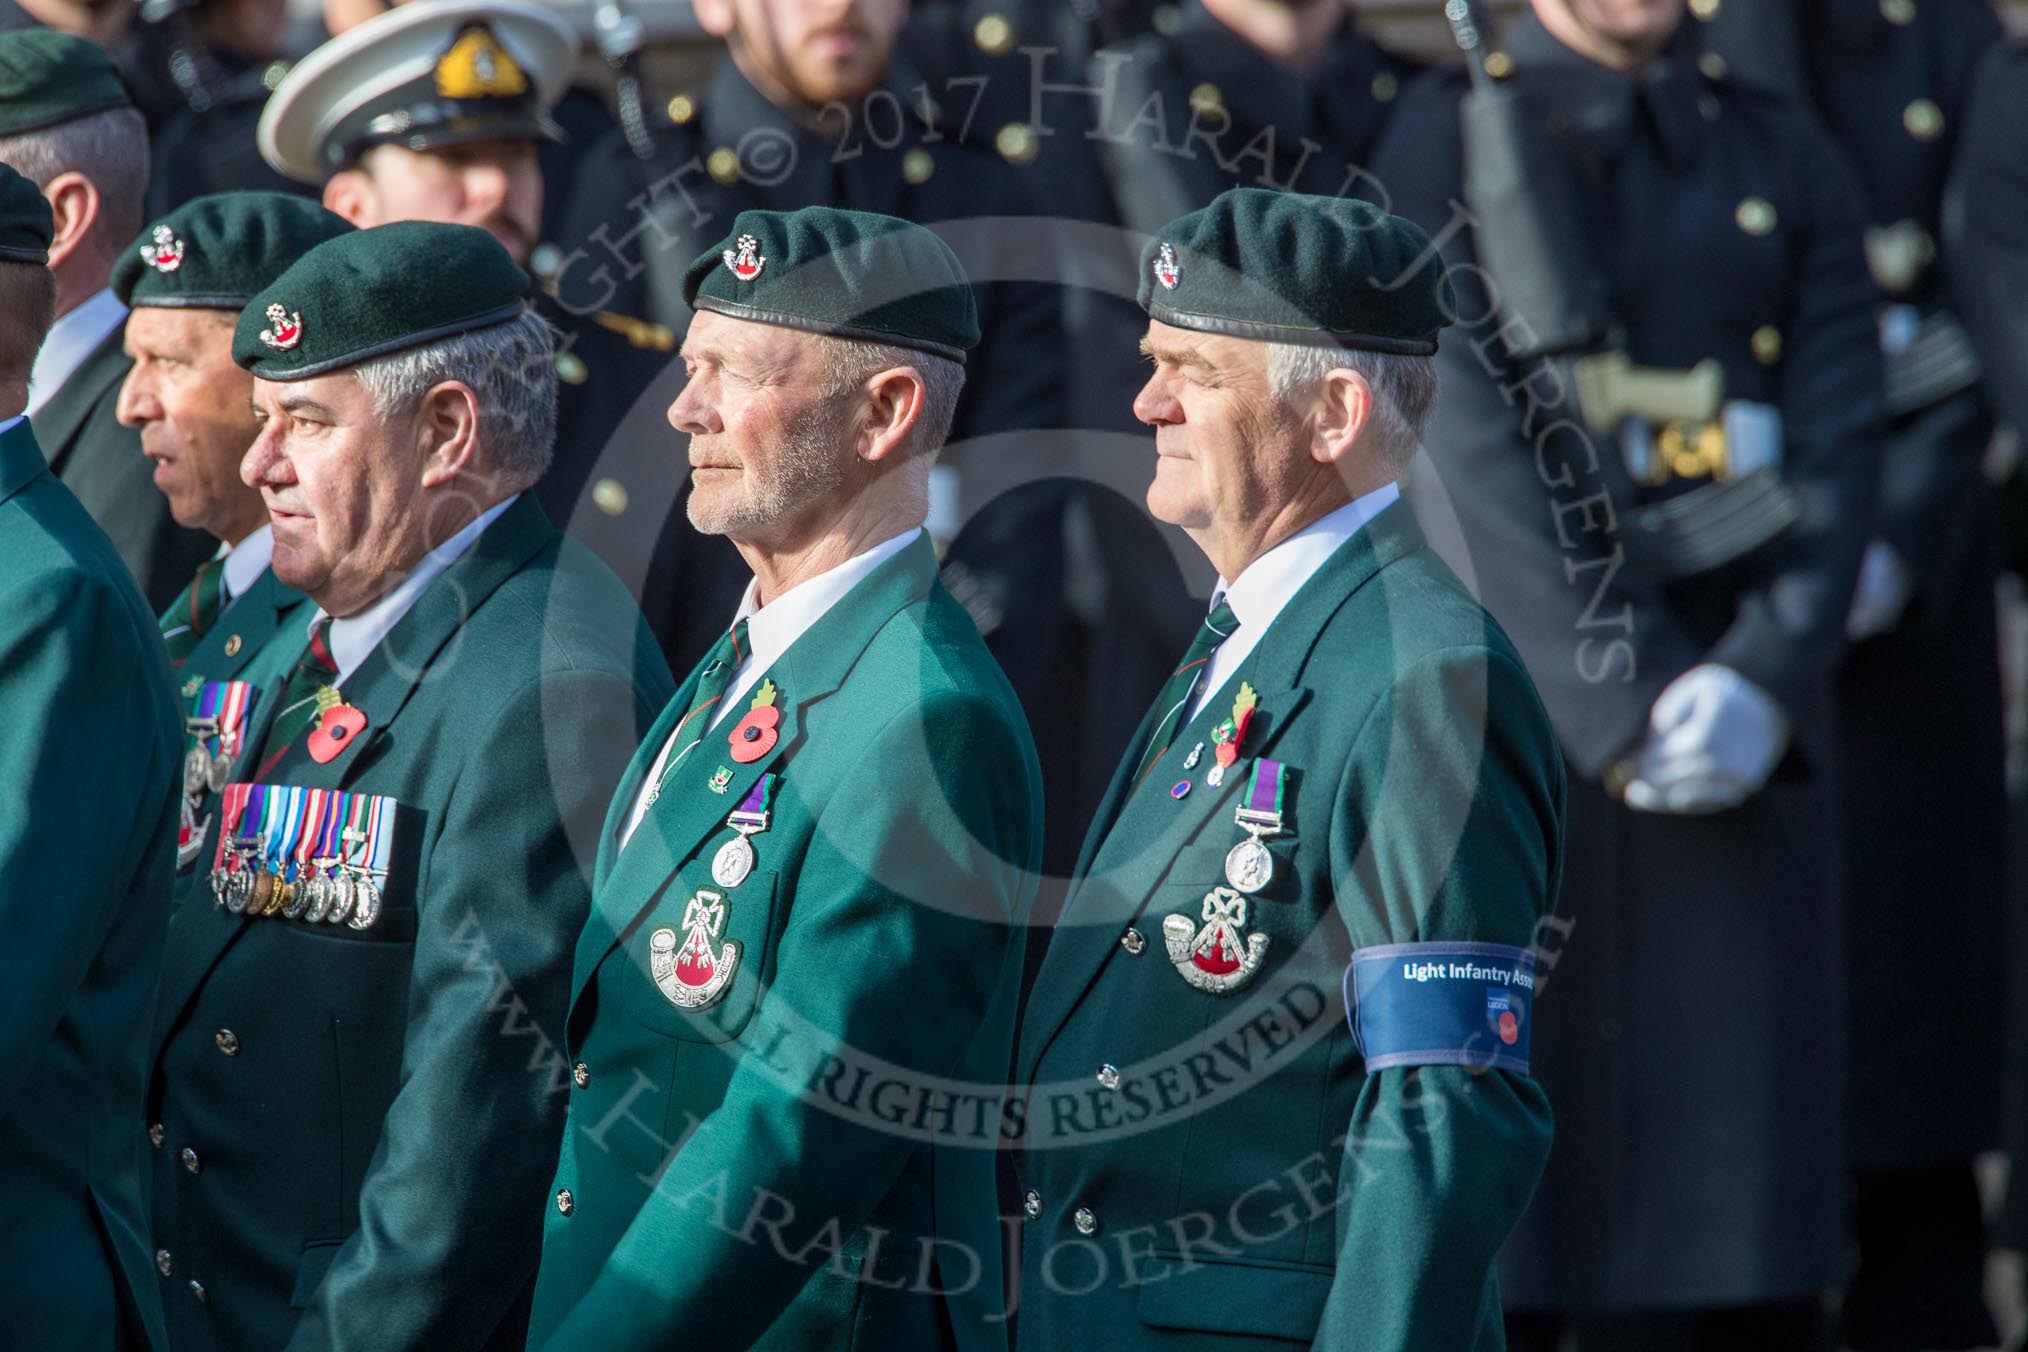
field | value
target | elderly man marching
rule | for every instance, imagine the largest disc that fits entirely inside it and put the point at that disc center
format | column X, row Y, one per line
column 792, row 1011
column 355, row 1096
column 185, row 281
column 1348, row 785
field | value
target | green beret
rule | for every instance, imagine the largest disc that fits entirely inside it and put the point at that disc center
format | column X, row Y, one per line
column 852, row 274
column 1283, row 267
column 215, row 252
column 47, row 77
column 26, row 226
column 367, row 293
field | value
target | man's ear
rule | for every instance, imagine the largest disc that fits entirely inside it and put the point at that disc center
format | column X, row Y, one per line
column 447, row 428
column 895, row 400
column 74, row 204
column 1344, row 410
column 352, row 195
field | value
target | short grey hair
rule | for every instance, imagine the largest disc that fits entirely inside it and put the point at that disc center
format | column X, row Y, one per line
column 848, row 362
column 511, row 370
column 1404, row 390
column 110, row 148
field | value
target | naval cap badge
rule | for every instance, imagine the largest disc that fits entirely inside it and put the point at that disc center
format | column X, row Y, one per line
column 1166, row 270
column 165, row 254
column 746, row 263
column 286, row 328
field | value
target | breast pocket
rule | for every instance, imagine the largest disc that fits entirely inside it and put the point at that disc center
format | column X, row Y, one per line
column 694, row 966
column 1250, row 1302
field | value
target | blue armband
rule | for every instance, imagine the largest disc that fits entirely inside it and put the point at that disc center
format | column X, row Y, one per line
column 1438, row 1004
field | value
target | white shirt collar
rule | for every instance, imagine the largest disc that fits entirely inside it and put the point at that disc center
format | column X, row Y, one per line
column 772, row 628
column 247, row 560
column 1267, row 585
column 356, row 636
column 71, row 339
column 8, row 426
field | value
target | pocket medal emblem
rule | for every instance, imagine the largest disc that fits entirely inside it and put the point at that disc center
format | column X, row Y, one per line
column 1219, row 956
column 686, row 970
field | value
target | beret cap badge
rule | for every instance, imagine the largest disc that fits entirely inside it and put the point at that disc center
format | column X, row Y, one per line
column 1166, row 271
column 287, row 328
column 165, row 254
column 747, row 263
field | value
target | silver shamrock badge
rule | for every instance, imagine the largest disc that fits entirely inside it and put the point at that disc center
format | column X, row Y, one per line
column 1219, row 956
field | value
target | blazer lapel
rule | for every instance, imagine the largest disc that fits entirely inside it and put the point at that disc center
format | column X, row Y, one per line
column 688, row 813
column 1123, row 865
column 59, row 421
column 629, row 788
column 255, row 618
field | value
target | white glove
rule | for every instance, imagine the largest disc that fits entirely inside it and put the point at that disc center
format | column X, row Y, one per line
column 1883, row 591
column 1714, row 737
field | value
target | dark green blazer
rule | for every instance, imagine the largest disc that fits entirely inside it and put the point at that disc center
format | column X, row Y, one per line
column 1220, row 1171
column 845, row 1090
column 87, row 821
column 101, row 462
column 257, row 638
column 371, row 1116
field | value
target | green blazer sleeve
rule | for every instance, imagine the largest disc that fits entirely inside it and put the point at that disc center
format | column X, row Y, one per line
column 1447, row 827
column 75, row 840
column 893, row 952
column 470, row 1135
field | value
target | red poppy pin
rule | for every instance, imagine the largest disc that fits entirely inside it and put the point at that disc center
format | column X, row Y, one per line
column 754, row 735
column 337, row 728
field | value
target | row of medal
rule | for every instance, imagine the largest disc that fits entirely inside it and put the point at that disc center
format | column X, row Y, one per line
column 217, row 726
column 296, row 853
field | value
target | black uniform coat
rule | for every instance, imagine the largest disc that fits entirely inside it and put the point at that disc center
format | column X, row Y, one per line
column 1178, row 119
column 1691, row 1036
column 101, row 462
column 1920, row 704
column 1986, row 243
column 356, row 1126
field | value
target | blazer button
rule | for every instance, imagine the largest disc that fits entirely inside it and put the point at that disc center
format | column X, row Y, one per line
column 156, row 1135
column 163, row 1263
column 1085, row 1221
column 564, row 1203
column 1109, row 1076
column 1031, row 1204
column 197, row 1290
column 190, row 1160
column 227, row 1040
column 1133, row 942
column 580, row 1075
